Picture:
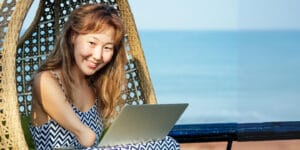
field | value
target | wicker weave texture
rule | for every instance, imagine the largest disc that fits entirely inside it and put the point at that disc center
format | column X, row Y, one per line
column 13, row 13
column 21, row 57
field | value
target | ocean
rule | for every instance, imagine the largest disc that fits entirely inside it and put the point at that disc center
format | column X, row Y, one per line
column 226, row 76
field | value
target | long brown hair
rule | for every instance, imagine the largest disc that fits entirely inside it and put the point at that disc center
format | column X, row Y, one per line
column 109, row 80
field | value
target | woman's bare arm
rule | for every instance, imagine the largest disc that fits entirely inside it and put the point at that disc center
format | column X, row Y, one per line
column 52, row 99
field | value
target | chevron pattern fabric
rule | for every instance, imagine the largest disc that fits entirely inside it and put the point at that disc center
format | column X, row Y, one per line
column 167, row 143
column 51, row 135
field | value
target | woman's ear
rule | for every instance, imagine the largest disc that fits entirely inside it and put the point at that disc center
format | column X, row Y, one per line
column 73, row 37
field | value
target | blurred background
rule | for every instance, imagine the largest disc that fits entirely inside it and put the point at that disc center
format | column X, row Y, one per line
column 231, row 60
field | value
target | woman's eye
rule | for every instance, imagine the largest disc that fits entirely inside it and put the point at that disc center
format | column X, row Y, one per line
column 108, row 48
column 92, row 43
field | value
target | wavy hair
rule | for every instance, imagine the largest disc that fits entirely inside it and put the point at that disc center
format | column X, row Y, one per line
column 109, row 80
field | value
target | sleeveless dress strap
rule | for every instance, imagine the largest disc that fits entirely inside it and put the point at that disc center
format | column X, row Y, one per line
column 55, row 75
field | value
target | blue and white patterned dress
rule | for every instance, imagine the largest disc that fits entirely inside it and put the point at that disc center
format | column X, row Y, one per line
column 51, row 135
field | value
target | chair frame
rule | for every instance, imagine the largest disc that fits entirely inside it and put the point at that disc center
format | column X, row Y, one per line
column 13, row 13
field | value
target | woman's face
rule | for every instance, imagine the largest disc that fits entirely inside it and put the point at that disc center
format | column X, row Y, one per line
column 93, row 51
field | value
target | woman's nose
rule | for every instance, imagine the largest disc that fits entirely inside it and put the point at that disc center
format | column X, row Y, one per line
column 97, row 54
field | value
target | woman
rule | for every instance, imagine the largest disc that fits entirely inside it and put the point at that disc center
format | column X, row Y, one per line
column 76, row 90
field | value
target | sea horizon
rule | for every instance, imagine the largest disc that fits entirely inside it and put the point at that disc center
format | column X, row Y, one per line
column 226, row 76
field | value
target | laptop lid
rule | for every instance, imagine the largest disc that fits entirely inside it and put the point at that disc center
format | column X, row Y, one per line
column 140, row 123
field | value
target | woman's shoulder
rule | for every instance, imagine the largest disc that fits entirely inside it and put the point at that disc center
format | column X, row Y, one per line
column 43, row 74
column 46, row 77
column 46, row 87
column 47, row 74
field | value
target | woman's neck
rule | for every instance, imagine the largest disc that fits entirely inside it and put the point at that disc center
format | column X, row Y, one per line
column 78, row 77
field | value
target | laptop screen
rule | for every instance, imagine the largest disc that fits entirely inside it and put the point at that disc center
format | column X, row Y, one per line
column 140, row 123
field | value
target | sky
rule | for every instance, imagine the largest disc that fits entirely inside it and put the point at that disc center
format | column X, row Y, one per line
column 212, row 14
column 216, row 14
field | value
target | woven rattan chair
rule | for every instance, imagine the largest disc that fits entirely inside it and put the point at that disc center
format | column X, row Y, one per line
column 21, row 56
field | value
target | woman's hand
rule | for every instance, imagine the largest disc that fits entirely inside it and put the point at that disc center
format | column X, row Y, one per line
column 86, row 137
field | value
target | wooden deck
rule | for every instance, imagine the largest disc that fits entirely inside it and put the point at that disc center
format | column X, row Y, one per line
column 253, row 145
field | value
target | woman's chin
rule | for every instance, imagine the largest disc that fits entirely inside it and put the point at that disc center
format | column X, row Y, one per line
column 89, row 72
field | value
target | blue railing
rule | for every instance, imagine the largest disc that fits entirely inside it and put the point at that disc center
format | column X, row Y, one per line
column 192, row 133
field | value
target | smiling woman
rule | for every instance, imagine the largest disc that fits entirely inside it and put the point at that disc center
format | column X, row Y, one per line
column 93, row 51
column 34, row 47
column 79, row 74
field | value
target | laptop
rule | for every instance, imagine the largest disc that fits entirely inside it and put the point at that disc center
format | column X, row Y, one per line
column 141, row 123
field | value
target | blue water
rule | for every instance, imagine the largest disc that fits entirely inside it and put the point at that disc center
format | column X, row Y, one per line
column 226, row 76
